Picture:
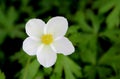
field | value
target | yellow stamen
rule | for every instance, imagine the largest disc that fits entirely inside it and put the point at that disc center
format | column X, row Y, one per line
column 47, row 39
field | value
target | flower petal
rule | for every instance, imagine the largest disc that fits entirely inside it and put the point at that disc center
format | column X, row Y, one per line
column 64, row 46
column 30, row 46
column 57, row 26
column 46, row 56
column 35, row 27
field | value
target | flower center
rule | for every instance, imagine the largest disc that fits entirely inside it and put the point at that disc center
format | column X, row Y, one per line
column 47, row 39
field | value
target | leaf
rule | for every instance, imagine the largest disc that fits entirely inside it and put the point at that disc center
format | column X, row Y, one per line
column 111, row 57
column 113, row 18
column 104, row 72
column 115, row 77
column 58, row 69
column 2, row 56
column 95, row 71
column 30, row 70
column 47, row 71
column 70, row 68
column 25, row 2
column 88, row 47
column 73, row 34
column 105, row 8
column 3, row 34
column 81, row 19
column 2, row 76
column 18, row 32
column 116, row 68
column 112, row 34
column 96, row 20
column 11, row 18
column 2, row 17
column 90, row 72
column 21, row 57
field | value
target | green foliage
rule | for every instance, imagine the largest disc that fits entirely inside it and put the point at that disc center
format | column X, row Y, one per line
column 2, row 76
column 66, row 65
column 104, row 6
column 8, row 26
column 27, row 72
column 94, row 29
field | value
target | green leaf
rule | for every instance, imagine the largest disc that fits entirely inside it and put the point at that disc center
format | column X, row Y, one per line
column 70, row 68
column 115, row 77
column 47, row 71
column 88, row 47
column 73, row 34
column 96, row 20
column 112, row 34
column 81, row 19
column 30, row 70
column 18, row 32
column 2, row 76
column 3, row 34
column 2, row 56
column 58, row 69
column 2, row 17
column 90, row 72
column 104, row 72
column 111, row 57
column 104, row 8
column 21, row 57
column 11, row 17
column 25, row 2
column 113, row 19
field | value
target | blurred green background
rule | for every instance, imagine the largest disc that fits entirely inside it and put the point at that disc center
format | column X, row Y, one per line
column 94, row 29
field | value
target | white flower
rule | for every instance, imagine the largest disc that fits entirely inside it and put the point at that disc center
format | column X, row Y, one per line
column 46, row 40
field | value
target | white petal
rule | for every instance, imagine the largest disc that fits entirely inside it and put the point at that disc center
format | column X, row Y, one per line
column 64, row 46
column 35, row 27
column 57, row 26
column 30, row 46
column 46, row 56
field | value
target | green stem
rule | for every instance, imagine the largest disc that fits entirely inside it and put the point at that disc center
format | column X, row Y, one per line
column 26, row 68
